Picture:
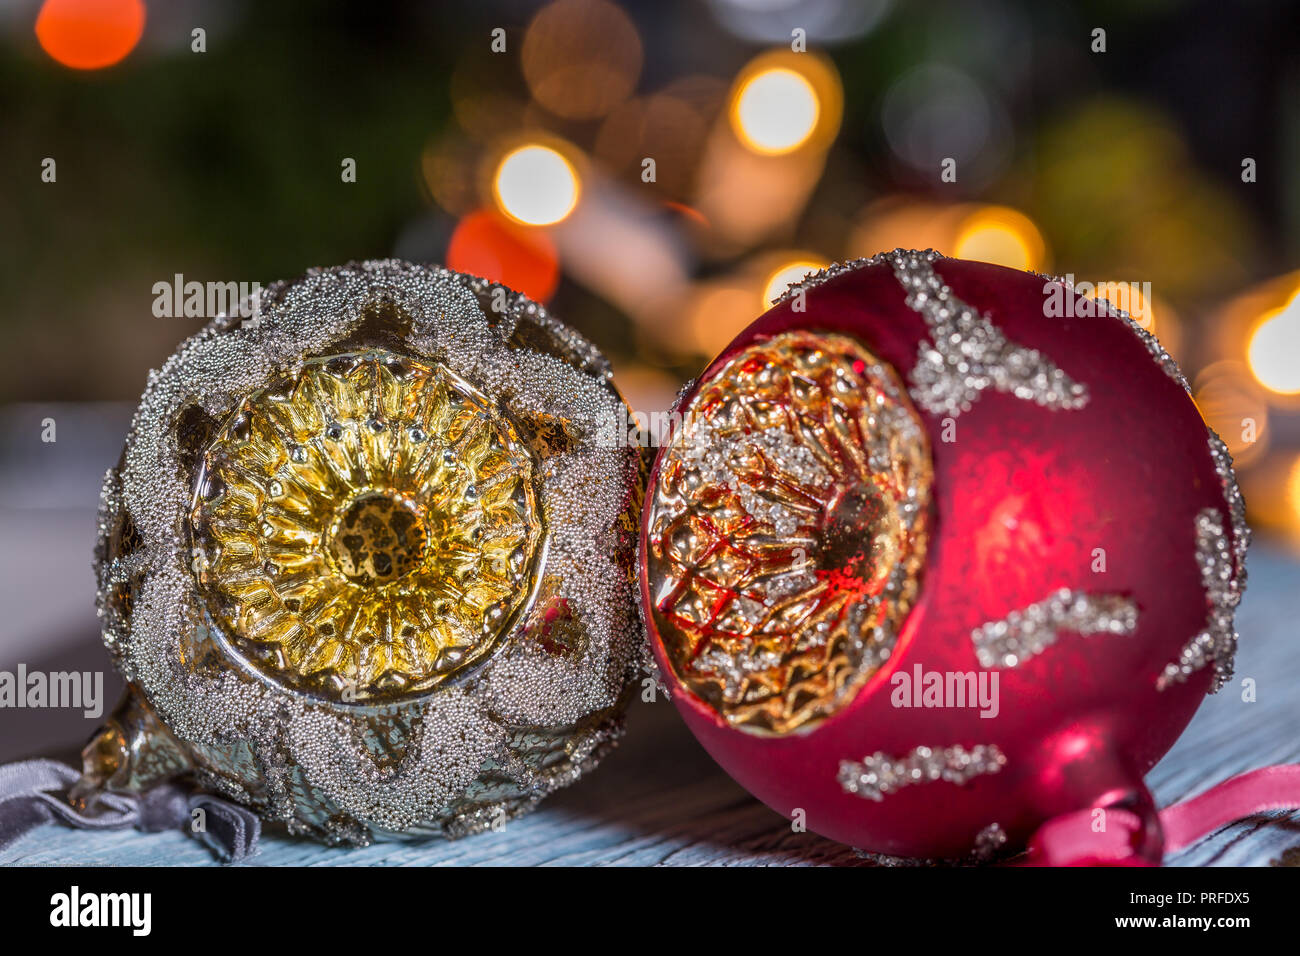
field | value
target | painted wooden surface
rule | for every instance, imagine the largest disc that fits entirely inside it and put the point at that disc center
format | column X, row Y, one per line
column 659, row 800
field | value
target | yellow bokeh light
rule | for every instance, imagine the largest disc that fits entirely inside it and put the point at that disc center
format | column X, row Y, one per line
column 1293, row 491
column 717, row 313
column 1235, row 407
column 790, row 273
column 1128, row 297
column 1274, row 349
column 1003, row 236
column 536, row 185
column 775, row 111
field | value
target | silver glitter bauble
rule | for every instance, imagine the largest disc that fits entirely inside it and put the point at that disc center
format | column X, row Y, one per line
column 366, row 561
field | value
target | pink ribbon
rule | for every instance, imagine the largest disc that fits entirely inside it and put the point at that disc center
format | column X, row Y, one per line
column 1109, row 835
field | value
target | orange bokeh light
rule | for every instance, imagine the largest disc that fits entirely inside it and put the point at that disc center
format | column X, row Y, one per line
column 90, row 34
column 489, row 245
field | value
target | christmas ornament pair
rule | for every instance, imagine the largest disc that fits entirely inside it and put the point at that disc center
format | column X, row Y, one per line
column 923, row 557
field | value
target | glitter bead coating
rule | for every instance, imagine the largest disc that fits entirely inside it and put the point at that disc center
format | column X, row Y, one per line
column 787, row 529
column 407, row 741
column 878, row 775
column 1025, row 633
column 366, row 529
column 1217, row 643
column 1086, row 550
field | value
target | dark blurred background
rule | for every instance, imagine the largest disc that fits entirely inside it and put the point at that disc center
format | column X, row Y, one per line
column 1168, row 159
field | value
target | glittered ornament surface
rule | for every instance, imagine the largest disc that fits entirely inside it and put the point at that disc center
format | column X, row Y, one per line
column 787, row 530
column 1058, row 604
column 367, row 529
column 365, row 561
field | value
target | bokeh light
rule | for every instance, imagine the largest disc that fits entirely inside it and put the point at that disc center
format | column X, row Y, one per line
column 1003, row 236
column 489, row 245
column 936, row 112
column 771, row 21
column 670, row 126
column 718, row 311
column 1293, row 493
column 1150, row 208
column 1235, row 407
column 581, row 58
column 893, row 222
column 748, row 197
column 447, row 165
column 484, row 98
column 1274, row 349
column 775, row 111
column 749, row 194
column 1129, row 298
column 90, row 34
column 786, row 275
column 536, row 185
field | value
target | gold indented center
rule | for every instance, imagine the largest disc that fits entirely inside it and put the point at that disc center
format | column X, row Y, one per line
column 787, row 530
column 367, row 528
column 378, row 538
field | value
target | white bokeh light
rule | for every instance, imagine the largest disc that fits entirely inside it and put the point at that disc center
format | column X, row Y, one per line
column 787, row 275
column 536, row 185
column 1275, row 347
column 776, row 111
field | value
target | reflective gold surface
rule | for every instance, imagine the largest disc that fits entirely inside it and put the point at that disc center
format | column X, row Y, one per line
column 367, row 529
column 788, row 530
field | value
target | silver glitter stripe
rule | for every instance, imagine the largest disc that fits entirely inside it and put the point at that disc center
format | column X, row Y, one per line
column 1236, row 512
column 986, row 847
column 1027, row 632
column 1217, row 642
column 989, row 842
column 967, row 353
column 880, row 775
column 822, row 276
column 970, row 354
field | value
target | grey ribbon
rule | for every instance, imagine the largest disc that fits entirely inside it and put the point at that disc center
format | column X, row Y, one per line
column 30, row 796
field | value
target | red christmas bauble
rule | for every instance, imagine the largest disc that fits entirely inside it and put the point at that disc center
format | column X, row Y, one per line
column 939, row 550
